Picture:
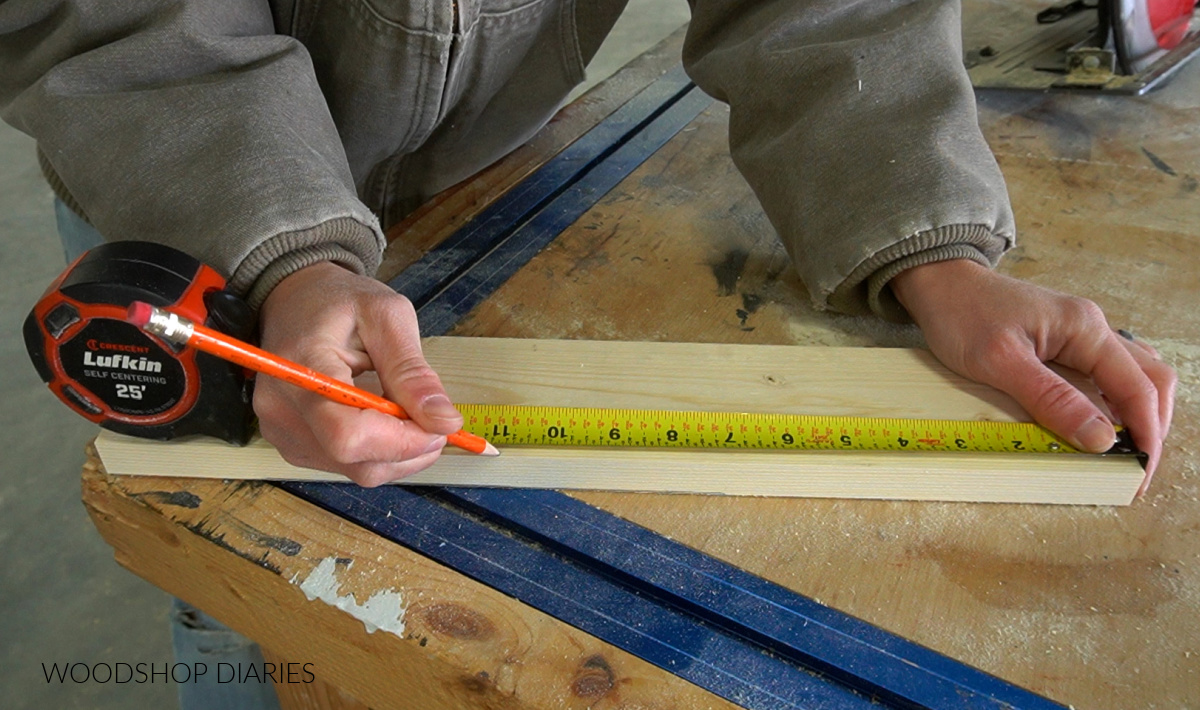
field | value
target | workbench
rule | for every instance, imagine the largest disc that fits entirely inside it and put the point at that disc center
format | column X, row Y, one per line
column 1091, row 607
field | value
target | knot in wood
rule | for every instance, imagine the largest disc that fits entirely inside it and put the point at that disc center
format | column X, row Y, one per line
column 457, row 621
column 594, row 679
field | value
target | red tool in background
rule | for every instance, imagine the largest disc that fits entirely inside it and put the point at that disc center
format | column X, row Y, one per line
column 1143, row 31
column 1109, row 46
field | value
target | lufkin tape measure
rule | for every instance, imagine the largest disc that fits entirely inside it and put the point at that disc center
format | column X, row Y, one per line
column 121, row 377
column 570, row 426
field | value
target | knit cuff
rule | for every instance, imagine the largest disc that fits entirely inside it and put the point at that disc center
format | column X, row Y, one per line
column 865, row 289
column 344, row 241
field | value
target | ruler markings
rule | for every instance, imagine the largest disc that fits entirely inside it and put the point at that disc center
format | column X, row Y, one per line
column 515, row 425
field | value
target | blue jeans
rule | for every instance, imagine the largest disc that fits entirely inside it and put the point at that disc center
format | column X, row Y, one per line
column 196, row 637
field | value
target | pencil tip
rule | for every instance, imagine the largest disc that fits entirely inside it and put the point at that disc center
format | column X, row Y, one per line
column 489, row 450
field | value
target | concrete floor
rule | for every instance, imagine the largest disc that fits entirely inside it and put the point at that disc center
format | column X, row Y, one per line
column 62, row 597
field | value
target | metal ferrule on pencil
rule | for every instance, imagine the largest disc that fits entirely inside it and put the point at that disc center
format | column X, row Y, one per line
column 169, row 326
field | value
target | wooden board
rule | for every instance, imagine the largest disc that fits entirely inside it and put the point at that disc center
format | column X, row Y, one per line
column 873, row 382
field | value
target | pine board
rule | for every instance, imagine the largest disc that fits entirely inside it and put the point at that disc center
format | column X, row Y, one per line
column 883, row 382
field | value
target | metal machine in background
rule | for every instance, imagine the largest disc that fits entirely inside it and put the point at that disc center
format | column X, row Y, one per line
column 1110, row 46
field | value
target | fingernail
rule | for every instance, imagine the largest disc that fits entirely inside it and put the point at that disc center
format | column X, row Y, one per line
column 1096, row 435
column 435, row 445
column 439, row 407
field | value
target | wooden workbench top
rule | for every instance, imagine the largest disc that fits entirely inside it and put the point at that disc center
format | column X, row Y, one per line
column 1093, row 607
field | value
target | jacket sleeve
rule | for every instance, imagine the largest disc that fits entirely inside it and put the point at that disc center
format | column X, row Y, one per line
column 190, row 124
column 855, row 124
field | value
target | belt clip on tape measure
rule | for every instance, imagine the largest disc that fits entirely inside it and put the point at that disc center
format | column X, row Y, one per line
column 121, row 377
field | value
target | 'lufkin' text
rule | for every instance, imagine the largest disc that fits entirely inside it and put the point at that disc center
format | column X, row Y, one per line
column 121, row 362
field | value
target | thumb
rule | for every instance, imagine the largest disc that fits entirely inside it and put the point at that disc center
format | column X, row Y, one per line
column 389, row 333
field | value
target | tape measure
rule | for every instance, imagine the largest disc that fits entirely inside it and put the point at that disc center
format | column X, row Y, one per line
column 510, row 425
column 119, row 376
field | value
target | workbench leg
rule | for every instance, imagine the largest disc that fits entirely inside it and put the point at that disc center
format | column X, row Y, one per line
column 314, row 695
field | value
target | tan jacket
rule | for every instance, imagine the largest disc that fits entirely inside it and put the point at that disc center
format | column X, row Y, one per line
column 262, row 137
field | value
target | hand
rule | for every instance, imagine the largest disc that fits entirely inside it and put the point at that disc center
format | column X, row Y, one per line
column 342, row 324
column 1000, row 331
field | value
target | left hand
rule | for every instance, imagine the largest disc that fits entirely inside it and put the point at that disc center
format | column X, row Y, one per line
column 1001, row 331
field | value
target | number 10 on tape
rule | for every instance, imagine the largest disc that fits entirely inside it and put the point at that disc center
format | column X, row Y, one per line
column 509, row 425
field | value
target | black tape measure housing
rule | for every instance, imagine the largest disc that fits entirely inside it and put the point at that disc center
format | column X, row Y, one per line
column 119, row 376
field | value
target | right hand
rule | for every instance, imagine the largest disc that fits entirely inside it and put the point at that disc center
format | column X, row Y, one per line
column 1001, row 331
column 342, row 324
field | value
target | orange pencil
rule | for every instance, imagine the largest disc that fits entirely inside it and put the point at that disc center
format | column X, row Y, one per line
column 182, row 331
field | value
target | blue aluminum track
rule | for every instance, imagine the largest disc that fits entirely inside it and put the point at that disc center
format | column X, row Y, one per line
column 752, row 642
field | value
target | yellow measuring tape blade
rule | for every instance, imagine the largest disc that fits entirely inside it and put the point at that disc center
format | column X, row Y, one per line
column 509, row 425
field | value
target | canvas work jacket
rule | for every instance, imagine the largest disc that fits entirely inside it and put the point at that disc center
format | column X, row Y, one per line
column 262, row 137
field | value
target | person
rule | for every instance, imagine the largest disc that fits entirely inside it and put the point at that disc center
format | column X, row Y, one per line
column 276, row 140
